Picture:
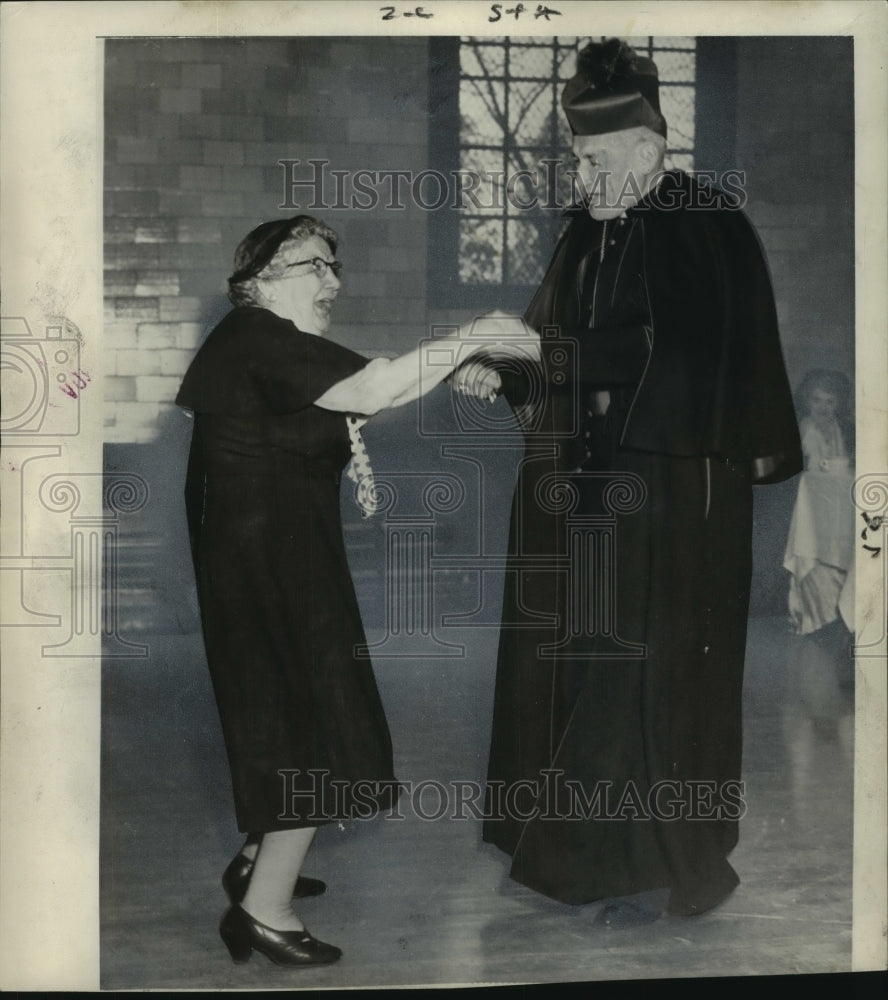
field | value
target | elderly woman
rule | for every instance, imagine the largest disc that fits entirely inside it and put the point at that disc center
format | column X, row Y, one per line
column 277, row 408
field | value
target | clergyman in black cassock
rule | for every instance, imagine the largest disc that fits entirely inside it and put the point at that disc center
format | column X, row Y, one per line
column 662, row 398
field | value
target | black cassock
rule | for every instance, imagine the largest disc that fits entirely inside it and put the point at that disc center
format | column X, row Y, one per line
column 615, row 759
column 304, row 727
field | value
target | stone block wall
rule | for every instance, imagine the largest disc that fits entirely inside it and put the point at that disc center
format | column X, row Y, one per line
column 795, row 140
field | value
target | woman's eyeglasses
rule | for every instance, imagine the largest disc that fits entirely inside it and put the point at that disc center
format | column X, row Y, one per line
column 319, row 266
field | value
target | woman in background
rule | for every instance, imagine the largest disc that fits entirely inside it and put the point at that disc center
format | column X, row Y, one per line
column 819, row 548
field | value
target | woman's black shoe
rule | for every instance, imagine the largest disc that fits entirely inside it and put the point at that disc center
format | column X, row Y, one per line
column 242, row 933
column 236, row 879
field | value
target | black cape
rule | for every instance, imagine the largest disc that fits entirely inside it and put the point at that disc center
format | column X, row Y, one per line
column 304, row 727
column 616, row 743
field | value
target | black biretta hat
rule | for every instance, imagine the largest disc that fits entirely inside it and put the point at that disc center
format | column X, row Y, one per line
column 614, row 89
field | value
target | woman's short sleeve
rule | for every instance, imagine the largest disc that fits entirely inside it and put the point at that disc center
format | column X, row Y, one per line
column 291, row 369
column 255, row 362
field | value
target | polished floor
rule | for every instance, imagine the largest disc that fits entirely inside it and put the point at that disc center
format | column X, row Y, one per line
column 423, row 901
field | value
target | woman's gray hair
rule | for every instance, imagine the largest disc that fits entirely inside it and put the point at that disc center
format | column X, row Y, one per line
column 258, row 254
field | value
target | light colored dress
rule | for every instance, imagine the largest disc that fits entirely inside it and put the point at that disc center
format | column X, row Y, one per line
column 821, row 445
column 820, row 546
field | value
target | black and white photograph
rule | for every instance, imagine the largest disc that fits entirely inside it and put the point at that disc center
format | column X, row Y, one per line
column 444, row 472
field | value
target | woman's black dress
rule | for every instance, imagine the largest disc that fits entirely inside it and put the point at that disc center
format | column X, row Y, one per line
column 304, row 727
